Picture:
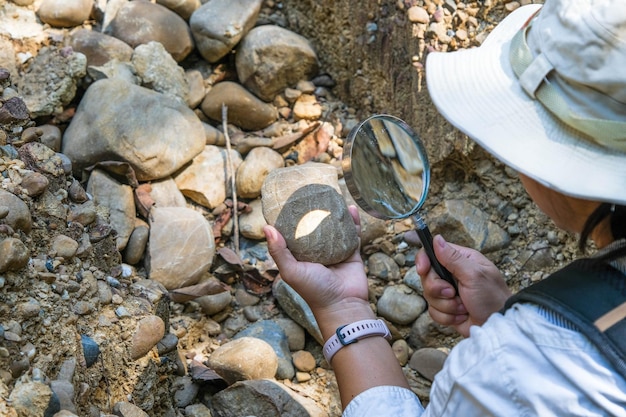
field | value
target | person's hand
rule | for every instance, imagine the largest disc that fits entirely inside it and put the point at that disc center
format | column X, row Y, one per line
column 332, row 292
column 482, row 289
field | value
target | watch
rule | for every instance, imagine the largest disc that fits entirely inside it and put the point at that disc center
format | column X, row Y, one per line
column 352, row 333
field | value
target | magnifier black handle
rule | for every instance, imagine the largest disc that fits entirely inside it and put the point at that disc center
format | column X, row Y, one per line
column 427, row 241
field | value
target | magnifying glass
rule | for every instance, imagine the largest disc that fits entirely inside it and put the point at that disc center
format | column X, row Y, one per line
column 387, row 172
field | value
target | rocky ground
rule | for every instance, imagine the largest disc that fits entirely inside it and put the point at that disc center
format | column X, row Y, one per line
column 121, row 287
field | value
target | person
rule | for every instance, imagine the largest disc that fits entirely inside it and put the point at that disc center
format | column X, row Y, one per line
column 545, row 94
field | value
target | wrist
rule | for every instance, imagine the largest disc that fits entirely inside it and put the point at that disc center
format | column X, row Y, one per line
column 347, row 311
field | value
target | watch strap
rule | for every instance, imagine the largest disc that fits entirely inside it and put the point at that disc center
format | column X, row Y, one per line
column 352, row 333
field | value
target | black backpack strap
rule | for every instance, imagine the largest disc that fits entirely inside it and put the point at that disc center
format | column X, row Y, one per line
column 592, row 295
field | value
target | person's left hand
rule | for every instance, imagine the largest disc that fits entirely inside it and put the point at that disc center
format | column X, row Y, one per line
column 335, row 289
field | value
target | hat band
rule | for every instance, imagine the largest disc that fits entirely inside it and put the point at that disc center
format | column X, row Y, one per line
column 532, row 73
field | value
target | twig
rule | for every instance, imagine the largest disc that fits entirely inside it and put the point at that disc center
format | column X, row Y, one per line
column 232, row 178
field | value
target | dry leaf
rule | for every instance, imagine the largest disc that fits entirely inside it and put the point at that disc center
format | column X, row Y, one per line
column 143, row 199
column 210, row 287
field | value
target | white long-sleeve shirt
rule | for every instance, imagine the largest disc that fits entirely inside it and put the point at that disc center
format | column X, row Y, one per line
column 521, row 363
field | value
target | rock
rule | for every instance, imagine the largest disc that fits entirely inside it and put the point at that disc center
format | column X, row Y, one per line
column 383, row 266
column 245, row 358
column 185, row 391
column 13, row 255
column 137, row 242
column 400, row 305
column 50, row 136
column 181, row 246
column 207, row 180
column 401, row 350
column 263, row 398
column 195, row 81
column 35, row 183
column 45, row 92
column 64, row 246
column 273, row 334
column 149, row 331
column 139, row 22
column 428, row 361
column 244, row 109
column 85, row 213
column 251, row 224
column 107, row 192
column 294, row 305
column 158, row 71
column 303, row 361
column 165, row 193
column 166, row 127
column 30, row 398
column 64, row 13
column 294, row 332
column 214, row 303
column 126, row 409
column 18, row 217
column 307, row 107
column 100, row 48
column 304, row 203
column 418, row 14
column 465, row 224
column 270, row 59
column 219, row 25
column 413, row 280
column 41, row 158
column 254, row 169
column 184, row 8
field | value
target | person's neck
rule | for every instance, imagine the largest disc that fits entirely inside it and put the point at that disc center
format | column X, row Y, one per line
column 601, row 234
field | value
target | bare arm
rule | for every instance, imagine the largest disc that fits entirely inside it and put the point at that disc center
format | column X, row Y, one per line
column 337, row 296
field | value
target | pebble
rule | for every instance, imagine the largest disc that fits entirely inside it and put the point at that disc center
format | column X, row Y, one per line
column 213, row 304
column 383, row 266
column 64, row 13
column 261, row 48
column 208, row 177
column 219, row 25
column 245, row 110
column 400, row 304
column 149, row 331
column 13, row 255
column 253, row 170
column 260, row 360
column 18, row 212
column 303, row 361
column 272, row 333
column 194, row 235
column 138, row 23
column 428, row 361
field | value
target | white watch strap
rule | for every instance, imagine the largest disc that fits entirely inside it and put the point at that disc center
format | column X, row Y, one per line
column 351, row 333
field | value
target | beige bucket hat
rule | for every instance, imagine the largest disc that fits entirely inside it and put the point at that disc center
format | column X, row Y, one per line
column 546, row 94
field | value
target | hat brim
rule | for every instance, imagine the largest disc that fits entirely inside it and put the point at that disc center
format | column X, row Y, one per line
column 477, row 91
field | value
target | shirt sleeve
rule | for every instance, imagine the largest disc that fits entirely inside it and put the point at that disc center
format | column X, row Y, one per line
column 385, row 401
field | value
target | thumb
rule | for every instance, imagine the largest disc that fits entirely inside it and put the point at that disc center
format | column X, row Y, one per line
column 277, row 247
column 449, row 256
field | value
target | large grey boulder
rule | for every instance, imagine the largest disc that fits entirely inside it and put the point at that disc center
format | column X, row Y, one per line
column 118, row 121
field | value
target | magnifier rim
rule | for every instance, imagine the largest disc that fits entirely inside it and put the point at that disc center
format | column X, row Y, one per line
column 346, row 165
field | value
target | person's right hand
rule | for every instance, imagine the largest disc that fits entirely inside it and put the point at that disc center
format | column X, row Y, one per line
column 482, row 289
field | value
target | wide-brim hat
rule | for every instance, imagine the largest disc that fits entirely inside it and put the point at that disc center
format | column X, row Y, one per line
column 478, row 91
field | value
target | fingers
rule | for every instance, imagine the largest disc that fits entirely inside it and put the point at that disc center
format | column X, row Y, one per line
column 278, row 249
column 434, row 286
